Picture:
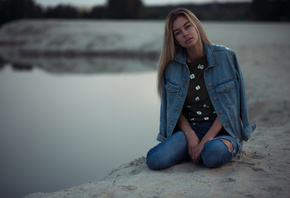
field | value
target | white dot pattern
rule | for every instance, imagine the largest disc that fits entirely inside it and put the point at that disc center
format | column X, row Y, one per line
column 198, row 106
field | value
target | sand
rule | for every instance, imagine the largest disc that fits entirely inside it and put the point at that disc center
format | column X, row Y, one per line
column 261, row 169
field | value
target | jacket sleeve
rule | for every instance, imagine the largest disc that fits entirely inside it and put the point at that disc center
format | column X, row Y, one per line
column 247, row 127
column 163, row 113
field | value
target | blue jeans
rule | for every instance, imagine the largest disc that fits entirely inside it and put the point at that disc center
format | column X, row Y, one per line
column 174, row 149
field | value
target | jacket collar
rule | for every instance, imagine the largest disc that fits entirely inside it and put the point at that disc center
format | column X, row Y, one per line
column 181, row 56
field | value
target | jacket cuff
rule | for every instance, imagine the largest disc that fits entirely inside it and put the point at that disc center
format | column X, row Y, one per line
column 248, row 131
column 160, row 138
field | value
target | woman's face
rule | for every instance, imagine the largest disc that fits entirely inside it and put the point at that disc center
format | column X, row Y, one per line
column 184, row 32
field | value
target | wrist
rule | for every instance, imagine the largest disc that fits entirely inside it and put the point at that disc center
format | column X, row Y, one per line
column 188, row 132
column 205, row 139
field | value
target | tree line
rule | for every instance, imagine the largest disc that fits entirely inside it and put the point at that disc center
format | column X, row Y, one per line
column 257, row 10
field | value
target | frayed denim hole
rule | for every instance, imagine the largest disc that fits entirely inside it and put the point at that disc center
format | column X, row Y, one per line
column 220, row 139
column 228, row 149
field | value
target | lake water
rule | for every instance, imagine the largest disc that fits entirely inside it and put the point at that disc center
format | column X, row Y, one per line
column 62, row 130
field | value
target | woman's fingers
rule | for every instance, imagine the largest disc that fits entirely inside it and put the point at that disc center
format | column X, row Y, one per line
column 195, row 154
column 192, row 154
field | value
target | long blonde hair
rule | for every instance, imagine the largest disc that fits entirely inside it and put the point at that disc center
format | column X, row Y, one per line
column 170, row 48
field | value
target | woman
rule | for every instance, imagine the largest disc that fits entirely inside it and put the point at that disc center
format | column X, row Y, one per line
column 203, row 103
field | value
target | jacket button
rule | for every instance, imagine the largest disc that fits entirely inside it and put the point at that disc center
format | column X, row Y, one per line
column 215, row 98
column 169, row 88
column 228, row 126
column 209, row 84
column 221, row 112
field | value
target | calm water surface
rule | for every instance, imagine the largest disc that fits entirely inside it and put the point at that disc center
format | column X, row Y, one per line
column 58, row 131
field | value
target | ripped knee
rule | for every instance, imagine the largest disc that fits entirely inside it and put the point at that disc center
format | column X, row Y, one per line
column 229, row 144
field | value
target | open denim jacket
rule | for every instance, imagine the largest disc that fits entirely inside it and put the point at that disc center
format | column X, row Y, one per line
column 225, row 85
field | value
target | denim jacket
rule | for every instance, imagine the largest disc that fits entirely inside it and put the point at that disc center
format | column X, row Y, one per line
column 225, row 85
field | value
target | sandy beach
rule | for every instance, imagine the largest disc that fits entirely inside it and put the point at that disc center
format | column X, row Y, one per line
column 262, row 169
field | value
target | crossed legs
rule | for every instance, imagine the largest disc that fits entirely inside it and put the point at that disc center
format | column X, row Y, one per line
column 174, row 150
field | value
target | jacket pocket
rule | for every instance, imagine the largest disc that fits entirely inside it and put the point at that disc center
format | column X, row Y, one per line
column 172, row 90
column 226, row 92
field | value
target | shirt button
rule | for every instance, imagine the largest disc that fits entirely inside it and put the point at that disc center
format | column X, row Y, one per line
column 215, row 98
column 209, row 84
column 221, row 112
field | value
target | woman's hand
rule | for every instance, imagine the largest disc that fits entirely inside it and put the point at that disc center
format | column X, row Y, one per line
column 194, row 149
column 213, row 131
column 194, row 145
column 197, row 152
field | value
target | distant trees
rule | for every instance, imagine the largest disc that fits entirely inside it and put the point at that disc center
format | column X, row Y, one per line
column 125, row 9
column 239, row 11
column 271, row 10
column 97, row 12
column 62, row 11
column 262, row 10
column 115, row 9
column 18, row 9
column 118, row 9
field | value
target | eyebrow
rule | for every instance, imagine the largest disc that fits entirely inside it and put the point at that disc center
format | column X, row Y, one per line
column 183, row 26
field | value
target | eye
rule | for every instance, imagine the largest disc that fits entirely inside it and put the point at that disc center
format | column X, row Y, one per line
column 177, row 33
column 188, row 26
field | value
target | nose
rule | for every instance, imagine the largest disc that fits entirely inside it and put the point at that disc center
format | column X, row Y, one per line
column 185, row 33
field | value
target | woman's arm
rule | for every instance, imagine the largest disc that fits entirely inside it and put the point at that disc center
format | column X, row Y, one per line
column 212, row 132
column 194, row 145
column 192, row 139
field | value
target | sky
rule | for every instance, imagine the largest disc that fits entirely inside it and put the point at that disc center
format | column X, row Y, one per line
column 90, row 3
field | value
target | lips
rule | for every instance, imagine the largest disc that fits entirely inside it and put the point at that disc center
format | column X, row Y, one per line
column 188, row 40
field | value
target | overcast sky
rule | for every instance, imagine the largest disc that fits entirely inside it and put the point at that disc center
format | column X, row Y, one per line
column 89, row 3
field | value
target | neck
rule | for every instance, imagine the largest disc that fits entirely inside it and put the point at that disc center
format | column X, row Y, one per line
column 194, row 53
